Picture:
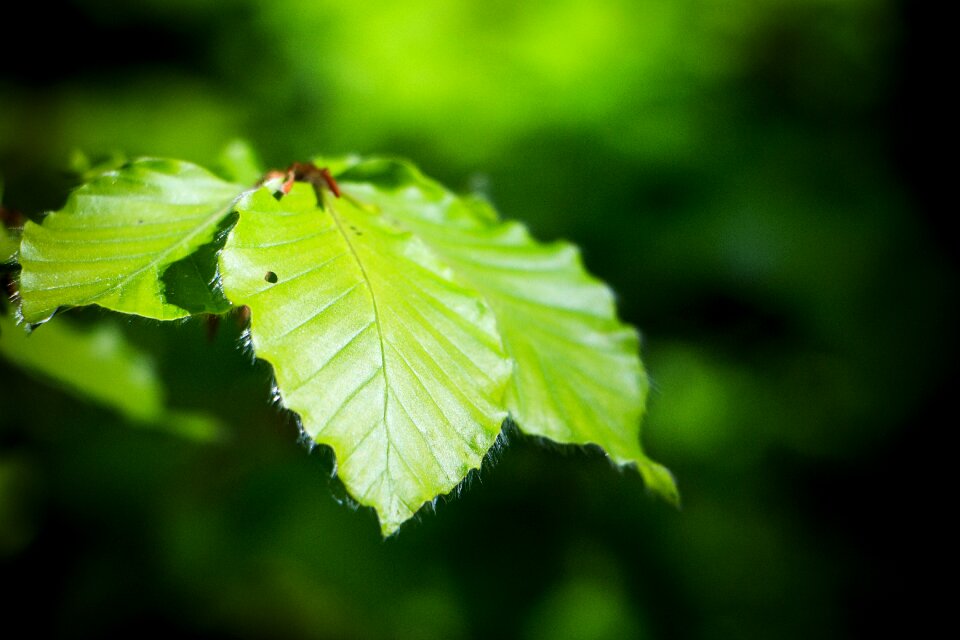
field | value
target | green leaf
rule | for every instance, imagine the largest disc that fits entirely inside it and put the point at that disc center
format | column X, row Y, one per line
column 117, row 235
column 577, row 376
column 8, row 245
column 402, row 322
column 239, row 163
column 87, row 169
column 384, row 356
column 100, row 366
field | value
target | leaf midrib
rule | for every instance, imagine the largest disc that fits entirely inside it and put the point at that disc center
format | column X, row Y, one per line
column 328, row 205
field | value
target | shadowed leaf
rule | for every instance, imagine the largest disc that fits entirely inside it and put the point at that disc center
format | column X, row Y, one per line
column 100, row 366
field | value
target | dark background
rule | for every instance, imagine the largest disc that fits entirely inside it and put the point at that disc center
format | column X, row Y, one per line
column 756, row 180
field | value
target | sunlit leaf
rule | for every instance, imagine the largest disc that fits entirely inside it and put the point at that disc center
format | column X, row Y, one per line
column 381, row 353
column 116, row 237
column 403, row 323
column 578, row 376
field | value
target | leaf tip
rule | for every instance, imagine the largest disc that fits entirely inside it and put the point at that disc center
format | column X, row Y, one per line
column 659, row 480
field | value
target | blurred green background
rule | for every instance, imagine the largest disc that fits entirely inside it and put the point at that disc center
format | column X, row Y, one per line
column 748, row 176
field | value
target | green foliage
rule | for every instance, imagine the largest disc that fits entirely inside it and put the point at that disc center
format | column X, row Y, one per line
column 577, row 377
column 113, row 242
column 722, row 166
column 381, row 353
column 99, row 365
column 8, row 245
column 403, row 323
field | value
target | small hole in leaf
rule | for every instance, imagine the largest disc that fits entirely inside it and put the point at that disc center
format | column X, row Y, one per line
column 270, row 277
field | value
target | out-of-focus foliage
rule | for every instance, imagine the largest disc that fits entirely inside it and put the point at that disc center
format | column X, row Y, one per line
column 8, row 245
column 733, row 169
column 99, row 366
column 8, row 242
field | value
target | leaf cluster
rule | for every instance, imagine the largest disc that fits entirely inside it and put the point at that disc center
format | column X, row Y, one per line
column 404, row 323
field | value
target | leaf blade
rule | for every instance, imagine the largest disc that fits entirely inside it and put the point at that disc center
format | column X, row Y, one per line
column 383, row 356
column 578, row 377
column 116, row 236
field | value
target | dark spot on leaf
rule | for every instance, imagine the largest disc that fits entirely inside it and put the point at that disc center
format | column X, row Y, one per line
column 270, row 277
column 139, row 221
